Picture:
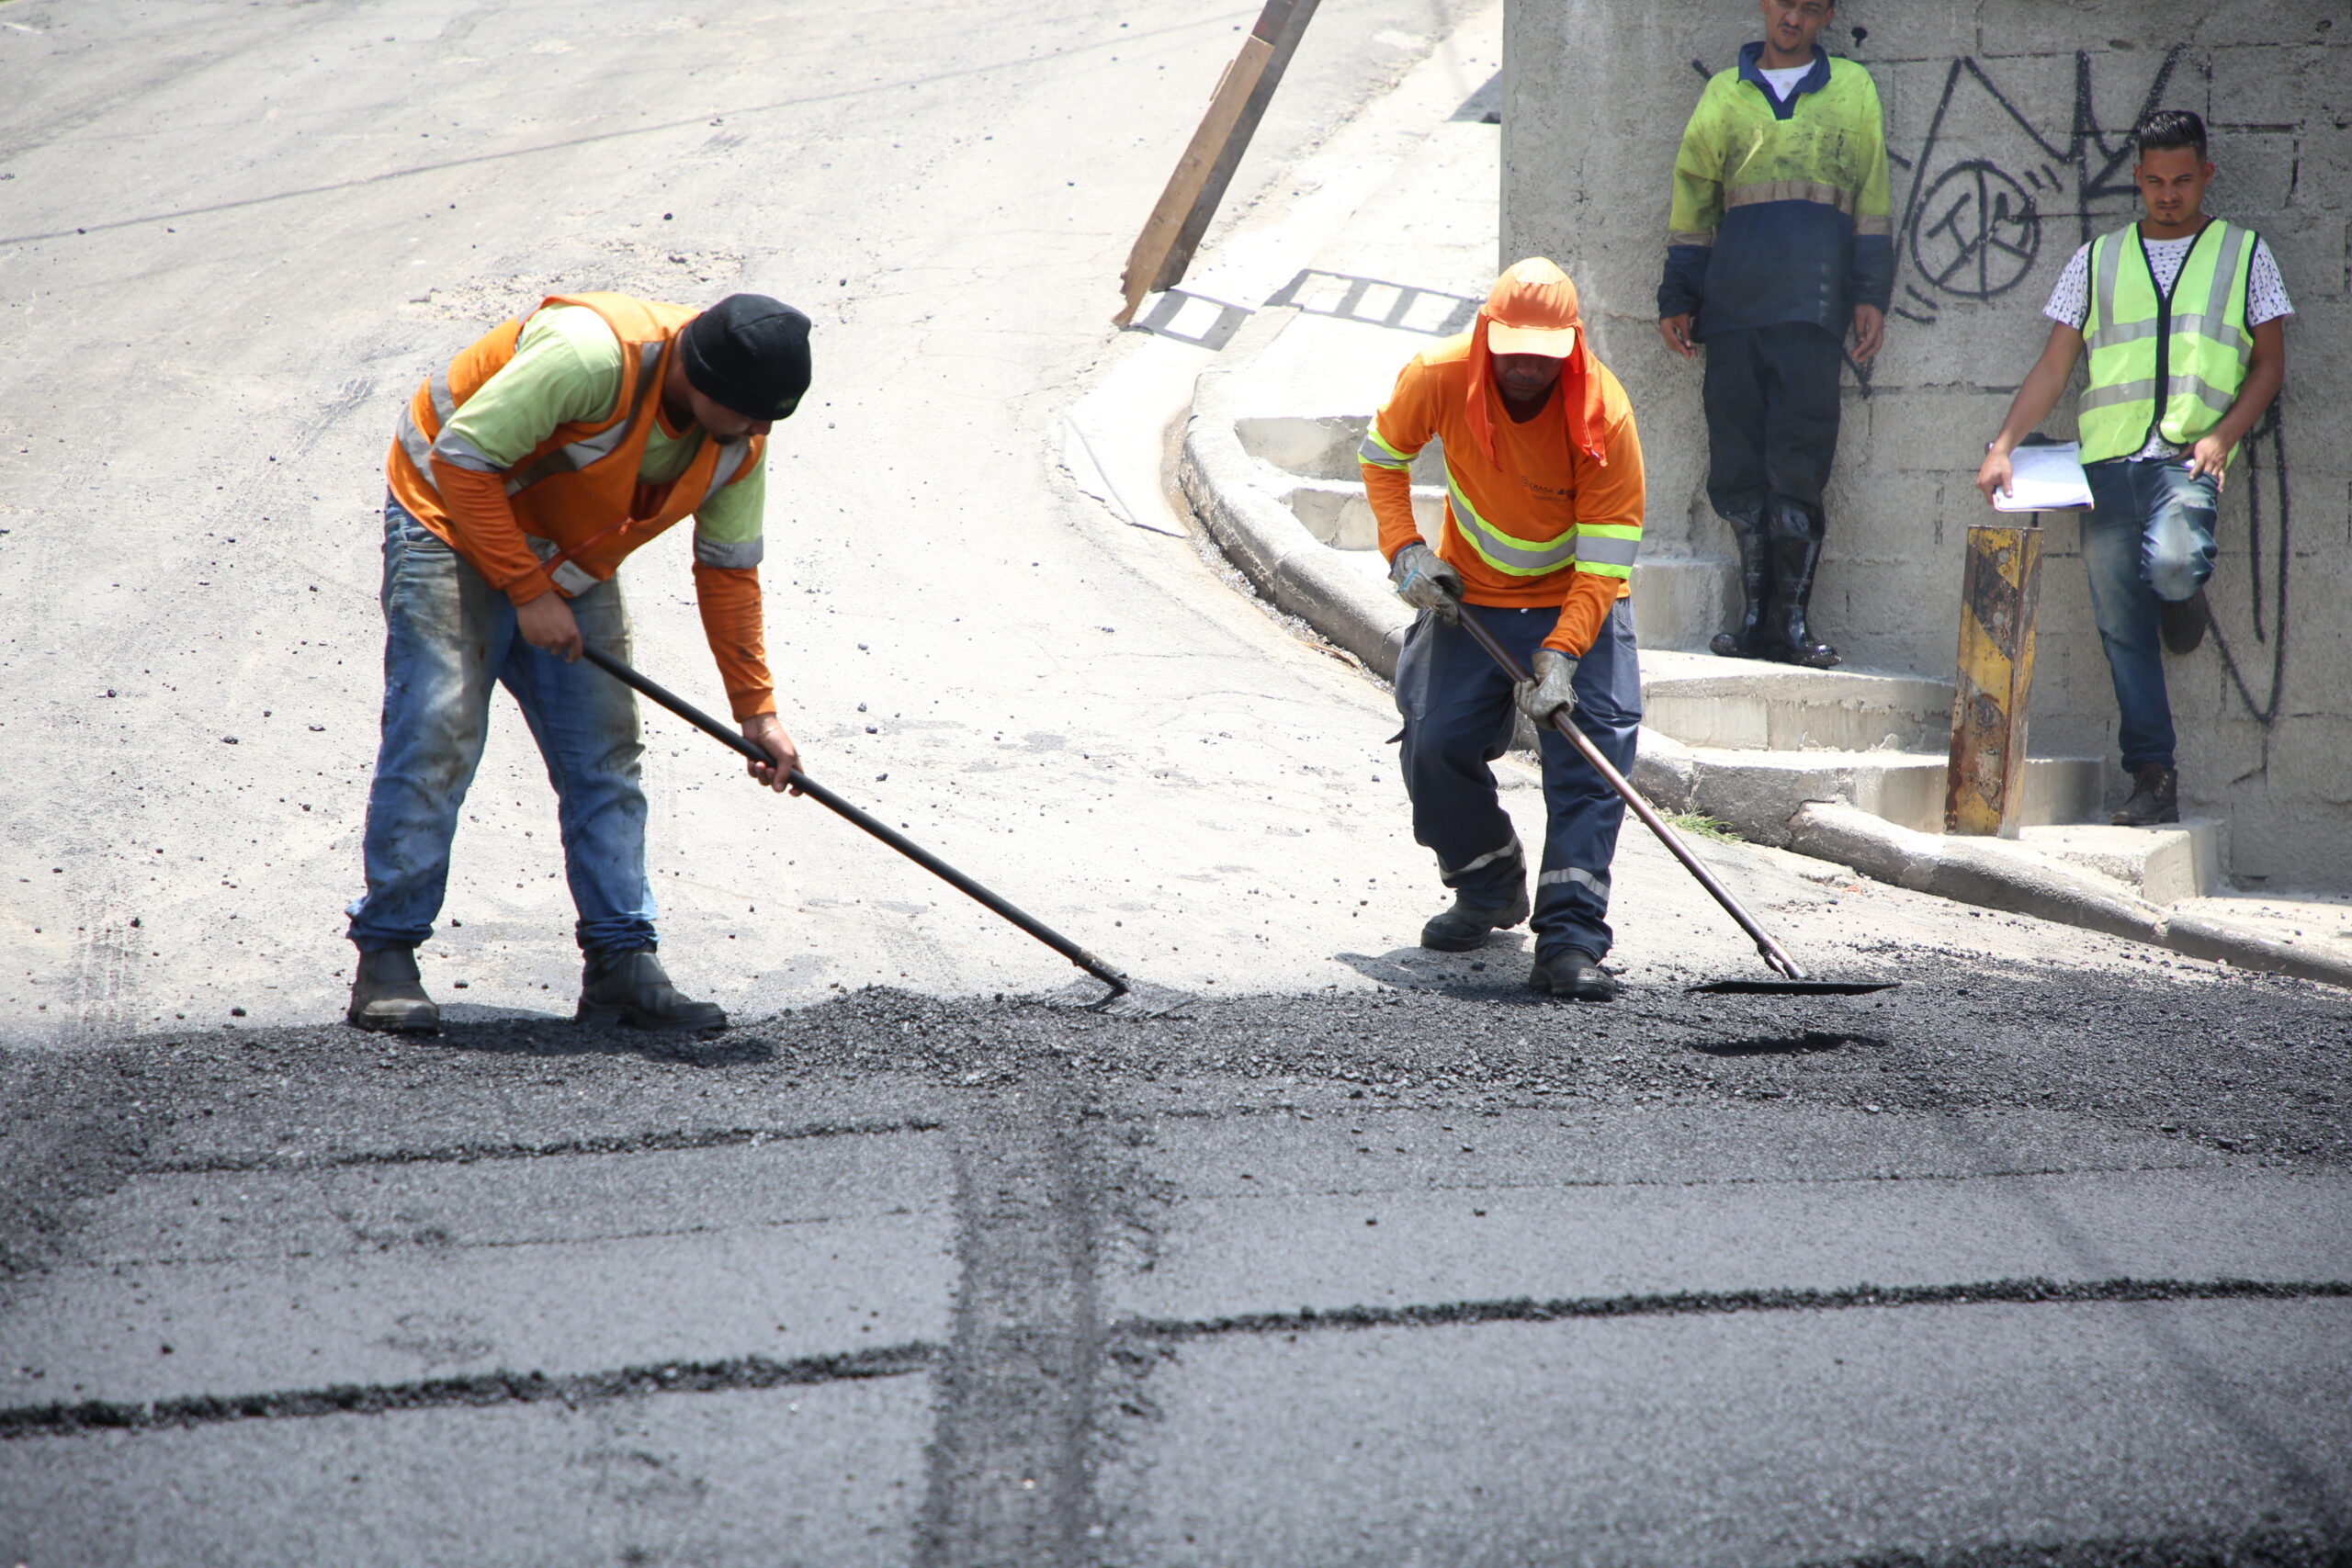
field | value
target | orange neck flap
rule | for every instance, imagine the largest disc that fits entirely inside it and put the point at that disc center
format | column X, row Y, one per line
column 1579, row 396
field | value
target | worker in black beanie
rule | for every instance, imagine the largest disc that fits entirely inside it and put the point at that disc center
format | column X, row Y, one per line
column 522, row 474
column 751, row 353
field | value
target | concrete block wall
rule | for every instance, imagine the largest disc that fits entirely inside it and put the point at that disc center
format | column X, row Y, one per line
column 2032, row 104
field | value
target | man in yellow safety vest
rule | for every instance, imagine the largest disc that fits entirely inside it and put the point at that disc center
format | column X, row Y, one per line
column 2185, row 319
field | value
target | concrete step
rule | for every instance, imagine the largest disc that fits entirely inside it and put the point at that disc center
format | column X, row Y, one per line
column 1757, row 792
column 2163, row 865
column 1751, row 704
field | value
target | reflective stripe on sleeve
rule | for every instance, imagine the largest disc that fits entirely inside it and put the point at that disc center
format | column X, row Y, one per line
column 1380, row 455
column 1879, row 227
column 733, row 554
column 1600, row 545
column 1691, row 236
column 459, row 453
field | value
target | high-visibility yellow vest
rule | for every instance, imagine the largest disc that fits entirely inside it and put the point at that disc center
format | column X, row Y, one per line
column 2190, row 350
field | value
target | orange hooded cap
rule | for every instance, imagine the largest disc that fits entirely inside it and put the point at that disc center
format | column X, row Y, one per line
column 1533, row 309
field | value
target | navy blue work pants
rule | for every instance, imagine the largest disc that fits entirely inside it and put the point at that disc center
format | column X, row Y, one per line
column 1458, row 719
column 1770, row 395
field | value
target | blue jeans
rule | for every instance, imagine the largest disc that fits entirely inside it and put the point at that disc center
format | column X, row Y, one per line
column 448, row 637
column 1458, row 719
column 2149, row 536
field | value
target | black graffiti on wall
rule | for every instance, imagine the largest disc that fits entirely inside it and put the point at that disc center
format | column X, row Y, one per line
column 1987, row 179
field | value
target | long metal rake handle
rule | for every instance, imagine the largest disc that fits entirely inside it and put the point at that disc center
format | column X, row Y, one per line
column 1774, row 954
column 931, row 862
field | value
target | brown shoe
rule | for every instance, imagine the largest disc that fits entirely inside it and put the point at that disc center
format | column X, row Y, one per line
column 2183, row 625
column 2155, row 798
column 388, row 994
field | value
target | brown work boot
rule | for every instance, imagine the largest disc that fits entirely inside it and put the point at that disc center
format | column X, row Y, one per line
column 388, row 994
column 2155, row 798
column 631, row 988
column 2183, row 625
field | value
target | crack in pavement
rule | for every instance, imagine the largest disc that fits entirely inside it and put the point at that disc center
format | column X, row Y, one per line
column 653, row 1142
column 1019, row 1377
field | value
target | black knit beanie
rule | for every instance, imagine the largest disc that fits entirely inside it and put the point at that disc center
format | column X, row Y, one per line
column 749, row 352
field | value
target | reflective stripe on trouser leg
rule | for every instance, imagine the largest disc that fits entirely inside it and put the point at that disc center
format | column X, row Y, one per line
column 1458, row 716
column 1581, row 840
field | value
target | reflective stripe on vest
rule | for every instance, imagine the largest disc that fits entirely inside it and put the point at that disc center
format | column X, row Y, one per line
column 2196, row 341
column 605, row 442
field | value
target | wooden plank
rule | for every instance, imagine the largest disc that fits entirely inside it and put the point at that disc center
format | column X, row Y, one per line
column 1985, row 782
column 1284, row 37
column 1165, row 247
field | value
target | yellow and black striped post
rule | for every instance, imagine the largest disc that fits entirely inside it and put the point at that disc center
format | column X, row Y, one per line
column 1984, row 783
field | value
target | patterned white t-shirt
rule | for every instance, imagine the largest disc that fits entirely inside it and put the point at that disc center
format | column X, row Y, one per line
column 2070, row 301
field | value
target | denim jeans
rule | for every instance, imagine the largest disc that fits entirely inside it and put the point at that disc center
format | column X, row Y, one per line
column 448, row 637
column 2148, row 536
column 1458, row 717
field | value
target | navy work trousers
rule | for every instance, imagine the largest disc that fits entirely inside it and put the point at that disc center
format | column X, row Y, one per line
column 1771, row 399
column 1458, row 719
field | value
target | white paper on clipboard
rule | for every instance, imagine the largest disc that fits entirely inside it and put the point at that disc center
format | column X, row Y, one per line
column 2045, row 479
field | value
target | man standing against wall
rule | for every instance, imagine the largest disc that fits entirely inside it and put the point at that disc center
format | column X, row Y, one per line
column 1779, row 240
column 522, row 474
column 2186, row 320
column 1543, row 520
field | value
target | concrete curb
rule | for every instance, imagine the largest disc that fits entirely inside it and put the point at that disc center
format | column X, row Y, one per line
column 1263, row 537
column 1265, row 540
column 1968, row 873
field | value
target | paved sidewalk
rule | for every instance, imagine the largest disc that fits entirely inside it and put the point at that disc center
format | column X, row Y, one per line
column 1268, row 463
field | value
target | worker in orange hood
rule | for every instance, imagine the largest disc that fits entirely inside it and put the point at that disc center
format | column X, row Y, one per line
column 1544, row 500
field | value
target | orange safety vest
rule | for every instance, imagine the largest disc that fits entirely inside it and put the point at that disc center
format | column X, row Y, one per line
column 576, row 495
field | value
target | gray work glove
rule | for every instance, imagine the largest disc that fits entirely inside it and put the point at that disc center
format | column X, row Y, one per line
column 1426, row 582
column 1553, row 690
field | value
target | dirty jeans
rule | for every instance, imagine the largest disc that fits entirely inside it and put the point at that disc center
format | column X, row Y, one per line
column 2149, row 536
column 1458, row 717
column 448, row 637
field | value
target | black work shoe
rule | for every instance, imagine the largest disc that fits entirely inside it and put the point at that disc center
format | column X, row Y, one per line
column 1465, row 926
column 2155, row 798
column 1574, row 973
column 388, row 994
column 2183, row 625
column 631, row 988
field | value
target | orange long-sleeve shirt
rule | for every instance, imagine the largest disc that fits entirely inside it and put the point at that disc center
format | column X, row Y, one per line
column 1539, row 500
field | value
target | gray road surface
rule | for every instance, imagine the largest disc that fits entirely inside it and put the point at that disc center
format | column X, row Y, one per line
column 1366, row 1257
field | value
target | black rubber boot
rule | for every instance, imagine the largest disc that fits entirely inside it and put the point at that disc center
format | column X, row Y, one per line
column 1464, row 927
column 1796, row 551
column 2155, row 798
column 388, row 994
column 1750, row 638
column 631, row 988
column 1576, row 973
column 2183, row 625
